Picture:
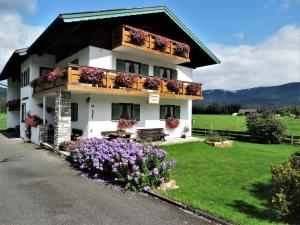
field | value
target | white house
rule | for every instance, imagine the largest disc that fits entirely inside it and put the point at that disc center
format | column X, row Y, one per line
column 110, row 40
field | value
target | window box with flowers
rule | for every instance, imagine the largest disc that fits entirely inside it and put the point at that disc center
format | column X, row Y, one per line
column 139, row 37
column 172, row 122
column 13, row 105
column 161, row 43
column 57, row 77
column 181, row 49
column 125, row 80
column 193, row 89
column 92, row 76
column 174, row 86
column 152, row 83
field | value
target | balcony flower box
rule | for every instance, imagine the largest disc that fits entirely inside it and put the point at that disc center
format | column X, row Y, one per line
column 139, row 37
column 193, row 89
column 174, row 86
column 152, row 83
column 161, row 43
column 91, row 75
column 125, row 80
column 180, row 49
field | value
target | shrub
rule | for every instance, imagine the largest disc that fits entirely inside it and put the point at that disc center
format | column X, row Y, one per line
column 265, row 127
column 286, row 186
column 152, row 83
column 215, row 137
column 133, row 166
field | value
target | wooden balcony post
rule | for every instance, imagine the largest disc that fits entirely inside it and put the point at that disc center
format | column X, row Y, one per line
column 69, row 74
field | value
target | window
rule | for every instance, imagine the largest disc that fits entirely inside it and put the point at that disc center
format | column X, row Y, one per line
column 126, row 111
column 25, row 77
column 167, row 111
column 23, row 112
column 132, row 67
column 45, row 71
column 74, row 112
column 165, row 73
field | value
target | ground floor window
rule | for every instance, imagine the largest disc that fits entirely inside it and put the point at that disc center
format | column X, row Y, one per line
column 126, row 111
column 167, row 111
column 74, row 111
column 23, row 112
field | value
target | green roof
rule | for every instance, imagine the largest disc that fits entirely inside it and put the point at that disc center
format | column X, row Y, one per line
column 104, row 14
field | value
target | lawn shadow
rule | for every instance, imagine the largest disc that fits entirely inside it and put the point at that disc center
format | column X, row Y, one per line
column 263, row 192
column 11, row 158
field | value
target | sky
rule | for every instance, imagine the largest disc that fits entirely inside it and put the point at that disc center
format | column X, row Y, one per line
column 257, row 41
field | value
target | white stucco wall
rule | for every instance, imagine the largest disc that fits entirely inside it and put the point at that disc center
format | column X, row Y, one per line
column 82, row 56
column 13, row 93
column 149, row 114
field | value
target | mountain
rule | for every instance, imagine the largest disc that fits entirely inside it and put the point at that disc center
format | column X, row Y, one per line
column 282, row 95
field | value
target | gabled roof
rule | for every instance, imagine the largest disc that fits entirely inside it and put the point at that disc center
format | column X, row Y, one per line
column 104, row 14
column 58, row 37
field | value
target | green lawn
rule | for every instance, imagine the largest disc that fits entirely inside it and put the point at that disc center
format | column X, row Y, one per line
column 2, row 121
column 230, row 183
column 238, row 123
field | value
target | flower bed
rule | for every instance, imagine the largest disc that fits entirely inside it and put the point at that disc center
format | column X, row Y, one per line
column 138, row 37
column 193, row 88
column 91, row 75
column 125, row 80
column 152, row 83
column 13, row 105
column 132, row 166
column 172, row 122
column 174, row 86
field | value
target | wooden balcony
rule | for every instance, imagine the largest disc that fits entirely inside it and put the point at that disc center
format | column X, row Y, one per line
column 71, row 82
column 122, row 42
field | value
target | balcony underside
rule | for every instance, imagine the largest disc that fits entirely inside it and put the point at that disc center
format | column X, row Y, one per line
column 112, row 91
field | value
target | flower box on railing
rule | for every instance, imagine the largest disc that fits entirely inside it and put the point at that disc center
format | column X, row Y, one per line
column 13, row 105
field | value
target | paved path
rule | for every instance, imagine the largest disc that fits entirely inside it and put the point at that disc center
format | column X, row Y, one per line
column 37, row 187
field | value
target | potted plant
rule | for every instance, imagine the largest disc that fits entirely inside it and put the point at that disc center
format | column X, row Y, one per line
column 185, row 130
column 193, row 88
column 125, row 80
column 172, row 122
column 31, row 121
column 125, row 123
column 174, row 86
column 91, row 76
column 215, row 140
column 181, row 49
column 161, row 43
column 152, row 83
column 138, row 37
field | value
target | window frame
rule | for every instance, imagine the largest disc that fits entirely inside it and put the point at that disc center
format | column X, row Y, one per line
column 172, row 72
column 74, row 112
column 132, row 106
column 172, row 108
column 45, row 68
column 23, row 112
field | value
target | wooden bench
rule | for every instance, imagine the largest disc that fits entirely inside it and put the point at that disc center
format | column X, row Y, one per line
column 152, row 134
column 116, row 134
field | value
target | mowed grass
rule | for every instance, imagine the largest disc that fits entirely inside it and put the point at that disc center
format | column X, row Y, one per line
column 231, row 183
column 238, row 123
column 2, row 121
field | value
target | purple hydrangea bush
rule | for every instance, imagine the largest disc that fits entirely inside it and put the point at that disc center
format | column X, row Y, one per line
column 131, row 165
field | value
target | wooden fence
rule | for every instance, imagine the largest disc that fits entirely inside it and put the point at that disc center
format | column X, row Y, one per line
column 242, row 135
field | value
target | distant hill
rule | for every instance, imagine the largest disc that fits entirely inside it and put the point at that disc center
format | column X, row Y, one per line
column 282, row 95
column 3, row 93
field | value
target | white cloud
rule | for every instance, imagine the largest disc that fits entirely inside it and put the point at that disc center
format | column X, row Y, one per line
column 15, row 34
column 238, row 36
column 273, row 61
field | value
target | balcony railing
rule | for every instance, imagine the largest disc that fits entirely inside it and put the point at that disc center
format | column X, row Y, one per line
column 71, row 81
column 122, row 39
